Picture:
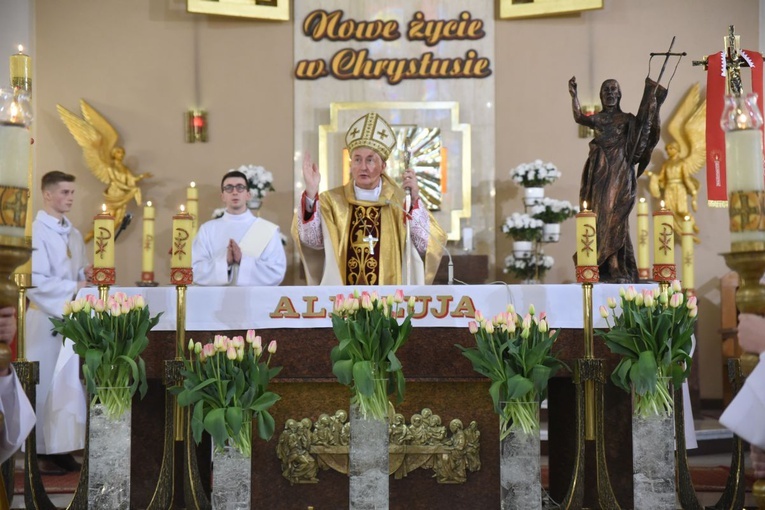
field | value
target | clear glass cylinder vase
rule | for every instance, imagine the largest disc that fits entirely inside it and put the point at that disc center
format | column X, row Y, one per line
column 232, row 479
column 653, row 453
column 369, row 466
column 109, row 449
column 519, row 469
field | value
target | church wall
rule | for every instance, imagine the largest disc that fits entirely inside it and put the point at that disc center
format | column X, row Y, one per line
column 142, row 63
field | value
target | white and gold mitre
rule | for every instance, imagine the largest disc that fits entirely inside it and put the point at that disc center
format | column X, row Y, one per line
column 371, row 131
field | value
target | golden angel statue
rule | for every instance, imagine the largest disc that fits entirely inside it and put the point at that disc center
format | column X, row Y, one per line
column 98, row 140
column 686, row 155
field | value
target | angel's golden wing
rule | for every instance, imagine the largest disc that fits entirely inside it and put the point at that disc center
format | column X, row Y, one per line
column 97, row 138
column 687, row 127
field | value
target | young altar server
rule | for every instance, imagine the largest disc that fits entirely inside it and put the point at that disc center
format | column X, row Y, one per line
column 238, row 248
column 19, row 417
column 59, row 269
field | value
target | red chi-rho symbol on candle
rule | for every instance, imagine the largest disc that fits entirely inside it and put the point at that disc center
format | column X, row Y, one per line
column 665, row 238
column 181, row 236
column 588, row 239
column 102, row 241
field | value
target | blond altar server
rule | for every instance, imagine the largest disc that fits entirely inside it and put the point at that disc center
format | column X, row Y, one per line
column 238, row 248
column 746, row 413
column 59, row 269
column 18, row 415
column 356, row 234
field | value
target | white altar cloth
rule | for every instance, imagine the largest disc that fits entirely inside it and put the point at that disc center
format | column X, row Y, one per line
column 241, row 308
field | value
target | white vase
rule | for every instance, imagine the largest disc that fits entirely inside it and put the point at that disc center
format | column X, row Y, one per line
column 109, row 451
column 523, row 249
column 519, row 464
column 531, row 196
column 653, row 459
column 232, row 479
column 551, row 232
column 254, row 203
column 369, row 462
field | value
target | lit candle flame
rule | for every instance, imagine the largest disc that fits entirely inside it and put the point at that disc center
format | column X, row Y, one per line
column 103, row 207
column 584, row 205
column 183, row 208
column 148, row 203
column 642, row 200
column 193, row 184
column 21, row 48
column 687, row 218
column 662, row 204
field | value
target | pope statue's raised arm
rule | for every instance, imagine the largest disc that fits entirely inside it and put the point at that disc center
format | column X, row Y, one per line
column 356, row 234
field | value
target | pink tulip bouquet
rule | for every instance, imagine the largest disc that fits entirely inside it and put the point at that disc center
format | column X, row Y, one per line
column 110, row 337
column 653, row 335
column 226, row 384
column 369, row 335
column 515, row 353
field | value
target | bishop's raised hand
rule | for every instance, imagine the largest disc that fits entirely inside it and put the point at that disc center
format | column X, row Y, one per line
column 311, row 176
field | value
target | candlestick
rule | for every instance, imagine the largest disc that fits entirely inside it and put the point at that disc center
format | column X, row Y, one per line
column 741, row 121
column 192, row 207
column 180, row 262
column 103, row 248
column 21, row 70
column 586, row 246
column 643, row 251
column 663, row 245
column 687, row 254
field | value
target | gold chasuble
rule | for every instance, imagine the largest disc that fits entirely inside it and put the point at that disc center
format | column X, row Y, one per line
column 365, row 242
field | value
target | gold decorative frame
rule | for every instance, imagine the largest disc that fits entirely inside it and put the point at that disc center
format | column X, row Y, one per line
column 455, row 231
column 510, row 9
column 260, row 9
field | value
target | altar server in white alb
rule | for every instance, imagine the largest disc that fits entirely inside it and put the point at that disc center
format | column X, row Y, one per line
column 19, row 417
column 238, row 248
column 60, row 268
column 746, row 413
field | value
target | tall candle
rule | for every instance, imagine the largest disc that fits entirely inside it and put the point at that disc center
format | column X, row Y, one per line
column 192, row 207
column 741, row 120
column 103, row 248
column 103, row 235
column 687, row 253
column 181, row 253
column 147, row 249
column 586, row 246
column 743, row 161
column 663, row 245
column 14, row 168
column 643, row 251
column 21, row 70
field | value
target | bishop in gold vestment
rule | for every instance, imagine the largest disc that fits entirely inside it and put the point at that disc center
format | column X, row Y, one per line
column 356, row 234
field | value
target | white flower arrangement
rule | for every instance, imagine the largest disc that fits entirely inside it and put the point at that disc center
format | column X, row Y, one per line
column 551, row 210
column 535, row 174
column 528, row 268
column 218, row 213
column 522, row 227
column 259, row 179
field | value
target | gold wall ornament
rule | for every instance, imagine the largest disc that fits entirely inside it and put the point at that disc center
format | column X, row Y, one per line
column 514, row 9
column 258, row 9
column 675, row 183
column 104, row 158
column 305, row 446
column 330, row 163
